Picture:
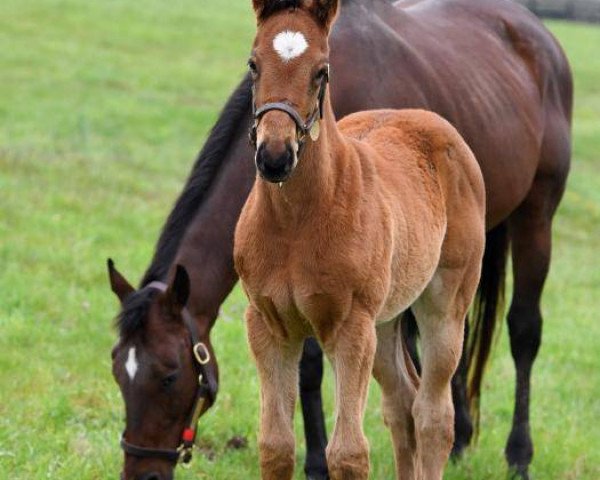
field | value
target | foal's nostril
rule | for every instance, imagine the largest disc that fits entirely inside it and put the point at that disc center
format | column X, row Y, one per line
column 275, row 166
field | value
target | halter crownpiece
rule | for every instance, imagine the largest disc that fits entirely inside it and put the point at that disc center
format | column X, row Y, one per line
column 303, row 128
column 206, row 391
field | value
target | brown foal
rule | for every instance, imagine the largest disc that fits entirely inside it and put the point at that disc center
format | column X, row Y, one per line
column 348, row 225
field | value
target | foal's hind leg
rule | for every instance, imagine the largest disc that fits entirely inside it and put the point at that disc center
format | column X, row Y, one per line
column 398, row 389
column 530, row 232
column 463, row 425
column 277, row 363
column 311, row 376
column 440, row 313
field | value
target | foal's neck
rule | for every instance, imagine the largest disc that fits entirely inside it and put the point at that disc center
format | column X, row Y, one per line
column 314, row 182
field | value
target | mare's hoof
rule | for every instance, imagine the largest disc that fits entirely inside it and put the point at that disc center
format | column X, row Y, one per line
column 518, row 473
column 317, row 476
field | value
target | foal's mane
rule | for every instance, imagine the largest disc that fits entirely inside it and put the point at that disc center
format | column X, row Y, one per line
column 135, row 311
column 199, row 181
column 273, row 7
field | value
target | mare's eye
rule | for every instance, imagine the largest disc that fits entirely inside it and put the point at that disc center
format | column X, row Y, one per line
column 252, row 67
column 169, row 380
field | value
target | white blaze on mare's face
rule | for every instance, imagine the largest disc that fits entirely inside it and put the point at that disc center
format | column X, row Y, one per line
column 131, row 365
column 289, row 45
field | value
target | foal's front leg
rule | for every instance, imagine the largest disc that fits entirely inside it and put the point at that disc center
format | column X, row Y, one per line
column 352, row 353
column 277, row 363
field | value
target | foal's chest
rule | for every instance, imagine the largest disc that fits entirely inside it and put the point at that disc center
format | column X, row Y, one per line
column 297, row 288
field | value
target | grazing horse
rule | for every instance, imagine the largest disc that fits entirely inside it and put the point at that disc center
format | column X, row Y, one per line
column 348, row 225
column 493, row 71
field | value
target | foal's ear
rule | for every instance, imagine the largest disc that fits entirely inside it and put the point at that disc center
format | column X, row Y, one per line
column 262, row 8
column 325, row 11
column 179, row 290
column 118, row 284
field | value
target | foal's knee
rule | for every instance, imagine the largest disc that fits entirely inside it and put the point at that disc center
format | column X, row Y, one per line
column 349, row 461
column 276, row 459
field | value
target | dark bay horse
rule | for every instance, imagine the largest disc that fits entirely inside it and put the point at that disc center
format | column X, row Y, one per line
column 348, row 225
column 492, row 70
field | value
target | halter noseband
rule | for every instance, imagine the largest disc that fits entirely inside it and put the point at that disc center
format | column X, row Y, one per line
column 302, row 127
column 207, row 390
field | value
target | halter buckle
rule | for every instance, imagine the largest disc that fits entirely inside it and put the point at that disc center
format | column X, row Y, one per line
column 185, row 455
column 201, row 353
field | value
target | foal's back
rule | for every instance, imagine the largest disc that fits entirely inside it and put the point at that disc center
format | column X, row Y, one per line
column 429, row 181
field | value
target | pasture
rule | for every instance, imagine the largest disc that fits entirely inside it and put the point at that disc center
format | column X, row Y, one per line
column 103, row 106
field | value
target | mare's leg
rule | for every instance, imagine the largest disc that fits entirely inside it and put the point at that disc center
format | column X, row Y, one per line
column 398, row 389
column 463, row 425
column 530, row 232
column 351, row 352
column 277, row 363
column 440, row 313
column 311, row 376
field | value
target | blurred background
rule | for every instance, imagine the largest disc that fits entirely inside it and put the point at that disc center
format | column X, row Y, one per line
column 103, row 108
column 583, row 10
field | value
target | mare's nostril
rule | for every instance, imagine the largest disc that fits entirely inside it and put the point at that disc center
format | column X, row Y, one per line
column 150, row 476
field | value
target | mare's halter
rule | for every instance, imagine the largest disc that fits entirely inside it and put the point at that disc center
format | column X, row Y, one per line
column 206, row 391
column 303, row 128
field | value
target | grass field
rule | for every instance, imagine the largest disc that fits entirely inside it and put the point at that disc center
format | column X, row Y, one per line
column 103, row 106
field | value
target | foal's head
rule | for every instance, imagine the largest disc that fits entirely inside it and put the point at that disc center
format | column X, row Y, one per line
column 290, row 68
column 158, row 373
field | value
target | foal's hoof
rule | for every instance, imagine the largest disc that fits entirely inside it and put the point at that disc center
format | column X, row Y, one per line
column 318, row 476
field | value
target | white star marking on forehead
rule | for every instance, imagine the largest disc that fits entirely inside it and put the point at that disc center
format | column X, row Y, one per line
column 289, row 45
column 131, row 365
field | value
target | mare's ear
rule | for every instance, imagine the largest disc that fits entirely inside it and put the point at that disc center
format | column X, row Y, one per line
column 118, row 284
column 179, row 290
column 325, row 11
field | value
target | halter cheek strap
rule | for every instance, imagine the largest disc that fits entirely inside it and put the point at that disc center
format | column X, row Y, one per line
column 302, row 127
column 206, row 391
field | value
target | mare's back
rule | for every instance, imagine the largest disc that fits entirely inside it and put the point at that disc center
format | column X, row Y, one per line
column 488, row 66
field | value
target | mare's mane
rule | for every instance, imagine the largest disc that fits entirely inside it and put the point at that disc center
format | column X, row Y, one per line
column 135, row 311
column 203, row 173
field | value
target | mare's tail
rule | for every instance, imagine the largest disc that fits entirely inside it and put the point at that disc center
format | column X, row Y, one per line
column 487, row 312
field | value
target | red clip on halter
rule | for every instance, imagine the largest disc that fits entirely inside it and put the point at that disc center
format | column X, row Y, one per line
column 207, row 390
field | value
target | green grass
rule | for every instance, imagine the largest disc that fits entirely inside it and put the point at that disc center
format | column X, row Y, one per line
column 103, row 107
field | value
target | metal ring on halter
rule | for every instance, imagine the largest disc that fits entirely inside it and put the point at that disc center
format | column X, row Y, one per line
column 202, row 359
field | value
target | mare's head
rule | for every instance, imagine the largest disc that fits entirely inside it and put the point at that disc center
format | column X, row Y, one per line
column 290, row 68
column 157, row 367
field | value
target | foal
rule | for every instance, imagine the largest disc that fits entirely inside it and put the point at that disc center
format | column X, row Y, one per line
column 346, row 227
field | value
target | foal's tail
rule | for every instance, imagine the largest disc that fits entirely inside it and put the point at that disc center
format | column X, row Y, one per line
column 487, row 312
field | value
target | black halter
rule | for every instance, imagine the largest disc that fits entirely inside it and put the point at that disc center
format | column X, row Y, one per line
column 302, row 127
column 206, row 391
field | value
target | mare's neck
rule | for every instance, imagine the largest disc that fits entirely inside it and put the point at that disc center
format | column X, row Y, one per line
column 314, row 182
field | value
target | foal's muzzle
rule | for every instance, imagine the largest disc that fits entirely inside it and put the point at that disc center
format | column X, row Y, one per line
column 275, row 165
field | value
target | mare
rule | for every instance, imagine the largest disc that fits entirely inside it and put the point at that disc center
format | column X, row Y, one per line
column 490, row 68
column 347, row 226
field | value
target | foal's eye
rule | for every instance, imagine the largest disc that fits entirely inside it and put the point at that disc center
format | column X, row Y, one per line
column 322, row 73
column 252, row 67
column 169, row 380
